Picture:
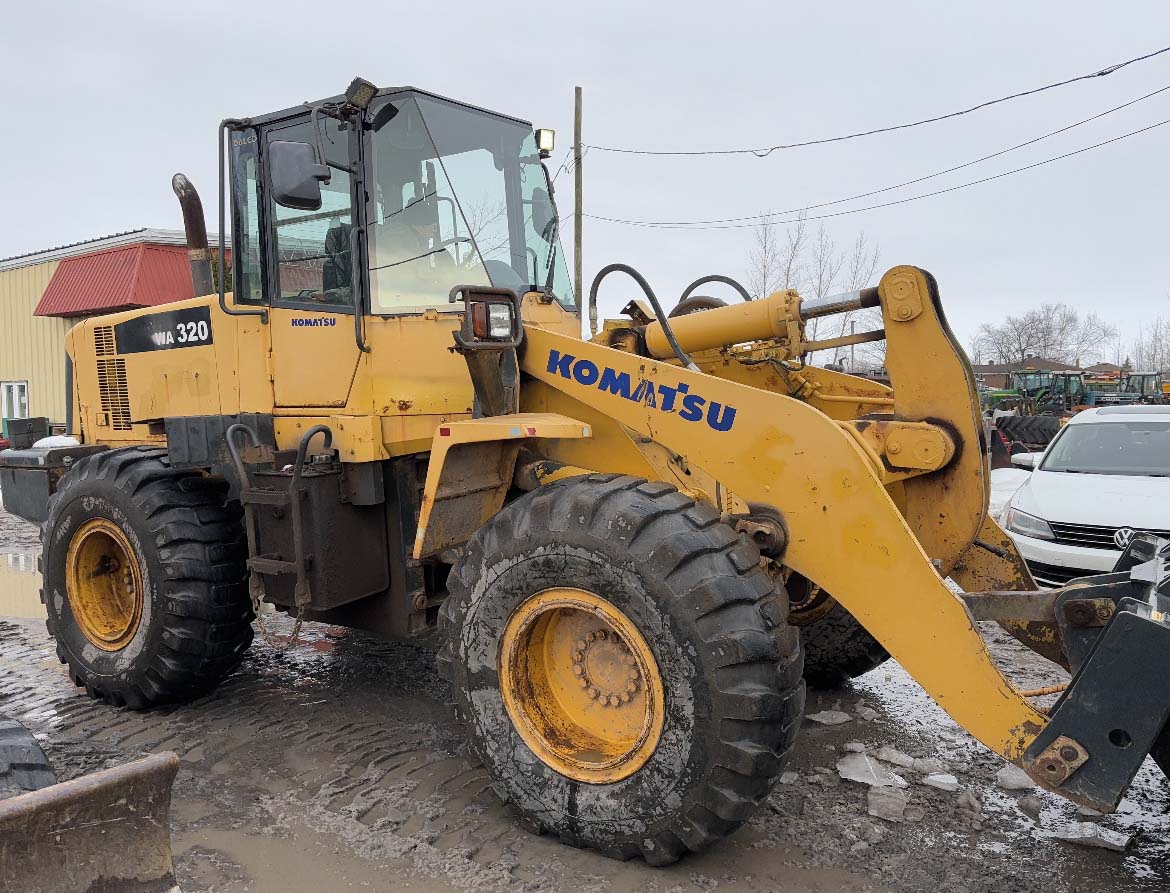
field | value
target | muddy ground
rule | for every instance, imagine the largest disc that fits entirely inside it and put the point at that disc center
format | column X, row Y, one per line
column 335, row 765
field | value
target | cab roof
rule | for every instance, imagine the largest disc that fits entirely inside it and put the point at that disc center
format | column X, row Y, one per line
column 385, row 91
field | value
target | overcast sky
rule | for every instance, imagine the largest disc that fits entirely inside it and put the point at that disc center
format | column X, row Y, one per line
column 107, row 99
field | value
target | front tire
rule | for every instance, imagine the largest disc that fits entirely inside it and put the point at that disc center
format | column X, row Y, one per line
column 676, row 753
column 144, row 578
column 837, row 648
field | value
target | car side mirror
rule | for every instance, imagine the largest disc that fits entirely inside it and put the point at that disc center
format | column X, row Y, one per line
column 295, row 176
column 1027, row 460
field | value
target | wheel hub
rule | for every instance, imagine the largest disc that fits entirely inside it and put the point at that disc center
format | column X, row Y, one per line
column 581, row 686
column 606, row 668
column 104, row 584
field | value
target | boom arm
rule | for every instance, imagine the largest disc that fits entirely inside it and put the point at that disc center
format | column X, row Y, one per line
column 846, row 532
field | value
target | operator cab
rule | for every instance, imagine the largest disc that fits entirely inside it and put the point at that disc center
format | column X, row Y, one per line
column 423, row 192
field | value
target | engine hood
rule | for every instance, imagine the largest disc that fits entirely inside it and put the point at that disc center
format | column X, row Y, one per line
column 1101, row 499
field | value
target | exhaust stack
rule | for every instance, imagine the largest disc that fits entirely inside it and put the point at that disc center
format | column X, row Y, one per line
column 196, row 229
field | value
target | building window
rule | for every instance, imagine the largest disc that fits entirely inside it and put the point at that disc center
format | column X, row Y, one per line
column 13, row 399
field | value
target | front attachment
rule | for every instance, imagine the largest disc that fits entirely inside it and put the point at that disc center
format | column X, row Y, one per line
column 1115, row 631
column 108, row 830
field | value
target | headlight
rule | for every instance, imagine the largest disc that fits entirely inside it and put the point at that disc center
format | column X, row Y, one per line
column 491, row 322
column 1028, row 525
column 499, row 321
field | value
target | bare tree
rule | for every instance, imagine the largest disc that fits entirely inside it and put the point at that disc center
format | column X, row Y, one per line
column 1052, row 332
column 860, row 269
column 812, row 264
column 775, row 264
column 763, row 260
column 1150, row 351
column 487, row 226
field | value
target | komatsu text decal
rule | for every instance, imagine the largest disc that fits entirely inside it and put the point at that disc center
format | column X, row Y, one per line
column 690, row 407
column 308, row 321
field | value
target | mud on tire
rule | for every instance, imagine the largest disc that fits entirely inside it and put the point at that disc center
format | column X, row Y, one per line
column 837, row 647
column 730, row 665
column 188, row 542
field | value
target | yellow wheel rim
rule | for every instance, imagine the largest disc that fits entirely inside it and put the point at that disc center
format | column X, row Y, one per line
column 581, row 686
column 104, row 584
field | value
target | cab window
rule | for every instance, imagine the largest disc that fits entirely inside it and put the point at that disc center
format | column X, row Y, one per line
column 312, row 250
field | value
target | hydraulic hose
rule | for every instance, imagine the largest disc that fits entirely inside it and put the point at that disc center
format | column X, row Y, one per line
column 715, row 277
column 653, row 298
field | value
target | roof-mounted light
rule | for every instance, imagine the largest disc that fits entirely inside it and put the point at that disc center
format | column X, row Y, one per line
column 360, row 93
column 545, row 141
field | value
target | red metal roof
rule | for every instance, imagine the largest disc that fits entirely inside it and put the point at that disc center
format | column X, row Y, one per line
column 139, row 275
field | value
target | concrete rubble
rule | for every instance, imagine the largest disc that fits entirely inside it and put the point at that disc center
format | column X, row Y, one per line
column 942, row 782
column 828, row 717
column 863, row 769
column 1090, row 834
column 887, row 803
column 894, row 757
column 1012, row 778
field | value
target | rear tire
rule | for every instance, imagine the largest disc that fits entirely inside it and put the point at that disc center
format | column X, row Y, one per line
column 837, row 647
column 23, row 765
column 729, row 666
column 174, row 546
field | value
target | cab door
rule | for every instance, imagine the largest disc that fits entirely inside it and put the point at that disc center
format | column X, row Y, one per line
column 311, row 261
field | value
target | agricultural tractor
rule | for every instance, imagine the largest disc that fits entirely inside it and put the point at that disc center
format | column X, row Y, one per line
column 1148, row 387
column 635, row 548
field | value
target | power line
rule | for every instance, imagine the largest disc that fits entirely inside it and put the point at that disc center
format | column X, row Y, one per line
column 838, row 201
column 902, row 201
column 764, row 152
column 561, row 167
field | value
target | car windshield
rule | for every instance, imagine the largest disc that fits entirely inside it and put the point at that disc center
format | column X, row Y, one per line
column 459, row 197
column 1131, row 447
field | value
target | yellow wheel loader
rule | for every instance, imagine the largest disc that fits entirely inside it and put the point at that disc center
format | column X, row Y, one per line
column 390, row 421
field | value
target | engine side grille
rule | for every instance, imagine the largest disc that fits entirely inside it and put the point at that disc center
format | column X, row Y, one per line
column 1091, row 536
column 115, row 394
column 103, row 341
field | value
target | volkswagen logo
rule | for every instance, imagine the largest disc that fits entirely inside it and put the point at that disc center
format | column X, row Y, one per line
column 1122, row 537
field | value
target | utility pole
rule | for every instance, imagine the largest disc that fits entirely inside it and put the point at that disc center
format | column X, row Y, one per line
column 577, row 215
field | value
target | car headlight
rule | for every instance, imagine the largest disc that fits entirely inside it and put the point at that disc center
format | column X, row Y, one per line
column 1028, row 525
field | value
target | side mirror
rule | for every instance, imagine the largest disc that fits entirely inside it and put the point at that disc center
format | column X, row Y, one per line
column 1027, row 460
column 295, row 176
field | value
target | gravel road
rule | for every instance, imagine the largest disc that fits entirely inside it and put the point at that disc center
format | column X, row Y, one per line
column 335, row 765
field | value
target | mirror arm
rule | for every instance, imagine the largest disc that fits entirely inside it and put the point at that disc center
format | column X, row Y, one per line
column 319, row 143
column 355, row 235
column 223, row 306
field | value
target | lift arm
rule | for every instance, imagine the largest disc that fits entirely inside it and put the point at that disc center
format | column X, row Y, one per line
column 846, row 531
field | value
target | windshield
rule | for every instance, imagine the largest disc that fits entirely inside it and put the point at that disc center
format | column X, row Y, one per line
column 1134, row 447
column 458, row 197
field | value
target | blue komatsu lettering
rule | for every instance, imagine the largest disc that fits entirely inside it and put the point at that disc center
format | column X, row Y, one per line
column 662, row 397
column 692, row 409
column 586, row 372
column 668, row 395
column 617, row 383
column 644, row 393
column 720, row 421
column 559, row 363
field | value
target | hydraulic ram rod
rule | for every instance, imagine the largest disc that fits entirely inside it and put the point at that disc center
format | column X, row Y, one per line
column 769, row 317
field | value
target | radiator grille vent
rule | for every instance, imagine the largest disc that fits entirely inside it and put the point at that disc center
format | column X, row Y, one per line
column 114, row 393
column 103, row 341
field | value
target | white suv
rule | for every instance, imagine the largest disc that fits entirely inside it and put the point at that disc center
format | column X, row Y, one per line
column 1105, row 476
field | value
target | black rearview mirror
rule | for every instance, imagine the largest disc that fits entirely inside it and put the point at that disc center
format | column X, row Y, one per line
column 295, row 176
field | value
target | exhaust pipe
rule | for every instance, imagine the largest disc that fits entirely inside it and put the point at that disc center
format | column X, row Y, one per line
column 196, row 228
